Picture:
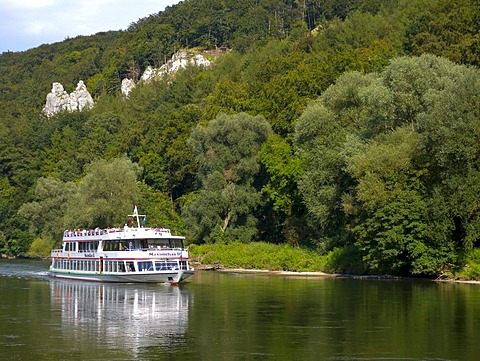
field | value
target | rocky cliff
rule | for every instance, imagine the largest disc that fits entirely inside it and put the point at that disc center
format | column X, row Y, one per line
column 58, row 100
column 179, row 60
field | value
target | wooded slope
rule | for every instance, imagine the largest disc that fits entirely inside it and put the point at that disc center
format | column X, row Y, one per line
column 345, row 126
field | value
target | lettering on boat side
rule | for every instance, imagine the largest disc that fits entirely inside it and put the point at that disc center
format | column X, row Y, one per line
column 89, row 255
column 164, row 253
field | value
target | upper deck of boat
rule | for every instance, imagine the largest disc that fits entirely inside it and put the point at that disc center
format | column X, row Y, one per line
column 84, row 235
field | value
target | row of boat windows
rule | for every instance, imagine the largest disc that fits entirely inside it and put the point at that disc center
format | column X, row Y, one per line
column 76, row 265
column 125, row 246
column 82, row 246
column 118, row 266
column 114, row 245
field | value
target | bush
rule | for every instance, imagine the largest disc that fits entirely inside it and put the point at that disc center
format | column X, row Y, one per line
column 344, row 260
column 471, row 268
column 40, row 248
column 259, row 255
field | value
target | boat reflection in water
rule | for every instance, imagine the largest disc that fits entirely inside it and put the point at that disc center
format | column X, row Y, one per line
column 123, row 317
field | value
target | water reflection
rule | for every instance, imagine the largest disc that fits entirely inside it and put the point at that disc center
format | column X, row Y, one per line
column 121, row 316
column 221, row 316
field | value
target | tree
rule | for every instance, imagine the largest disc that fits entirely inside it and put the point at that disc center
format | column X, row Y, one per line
column 99, row 136
column 159, row 209
column 391, row 215
column 447, row 29
column 283, row 215
column 321, row 134
column 105, row 194
column 227, row 154
column 451, row 137
column 284, row 171
column 391, row 164
column 46, row 213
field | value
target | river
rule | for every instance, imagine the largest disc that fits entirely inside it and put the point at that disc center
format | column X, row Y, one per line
column 228, row 316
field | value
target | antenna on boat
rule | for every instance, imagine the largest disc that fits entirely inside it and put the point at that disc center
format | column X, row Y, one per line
column 137, row 216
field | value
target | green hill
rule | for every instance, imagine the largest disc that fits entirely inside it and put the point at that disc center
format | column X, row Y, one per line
column 345, row 127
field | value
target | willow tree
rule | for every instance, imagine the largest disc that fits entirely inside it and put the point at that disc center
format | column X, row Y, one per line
column 227, row 154
column 105, row 195
column 45, row 213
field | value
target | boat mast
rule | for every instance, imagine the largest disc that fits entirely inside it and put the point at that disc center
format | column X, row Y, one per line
column 137, row 216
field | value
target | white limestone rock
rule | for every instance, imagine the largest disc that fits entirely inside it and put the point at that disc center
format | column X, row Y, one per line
column 179, row 60
column 80, row 98
column 127, row 86
column 149, row 74
column 58, row 100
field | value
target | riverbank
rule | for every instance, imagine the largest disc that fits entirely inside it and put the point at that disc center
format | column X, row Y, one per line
column 285, row 260
column 324, row 274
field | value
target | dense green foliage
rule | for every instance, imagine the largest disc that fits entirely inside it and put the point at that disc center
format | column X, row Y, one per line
column 389, row 174
column 347, row 127
column 260, row 256
column 226, row 151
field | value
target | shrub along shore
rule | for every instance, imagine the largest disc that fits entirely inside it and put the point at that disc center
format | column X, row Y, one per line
column 286, row 260
column 258, row 255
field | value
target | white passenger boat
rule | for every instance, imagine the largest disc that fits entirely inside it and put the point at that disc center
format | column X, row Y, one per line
column 128, row 254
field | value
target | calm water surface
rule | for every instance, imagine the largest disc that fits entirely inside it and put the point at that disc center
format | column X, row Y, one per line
column 217, row 316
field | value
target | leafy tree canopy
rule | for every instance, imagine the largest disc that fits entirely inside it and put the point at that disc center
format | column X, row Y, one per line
column 375, row 164
column 227, row 155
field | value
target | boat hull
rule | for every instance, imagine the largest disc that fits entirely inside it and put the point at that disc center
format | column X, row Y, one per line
column 133, row 277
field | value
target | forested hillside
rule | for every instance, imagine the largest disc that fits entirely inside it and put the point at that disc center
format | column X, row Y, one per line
column 347, row 127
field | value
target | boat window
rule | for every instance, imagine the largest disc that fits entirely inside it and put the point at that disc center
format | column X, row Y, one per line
column 165, row 243
column 108, row 246
column 136, row 244
column 113, row 245
column 130, row 266
column 165, row 265
column 70, row 246
column 159, row 243
column 88, row 246
column 160, row 265
column 145, row 265
column 111, row 266
column 121, row 267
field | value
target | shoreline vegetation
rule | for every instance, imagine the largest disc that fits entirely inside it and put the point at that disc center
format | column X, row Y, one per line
column 261, row 258
column 345, row 134
column 286, row 260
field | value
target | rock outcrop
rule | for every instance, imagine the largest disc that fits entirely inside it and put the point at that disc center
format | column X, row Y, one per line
column 179, row 60
column 58, row 100
column 127, row 86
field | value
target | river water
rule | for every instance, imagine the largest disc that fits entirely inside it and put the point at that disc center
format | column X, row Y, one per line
column 222, row 316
